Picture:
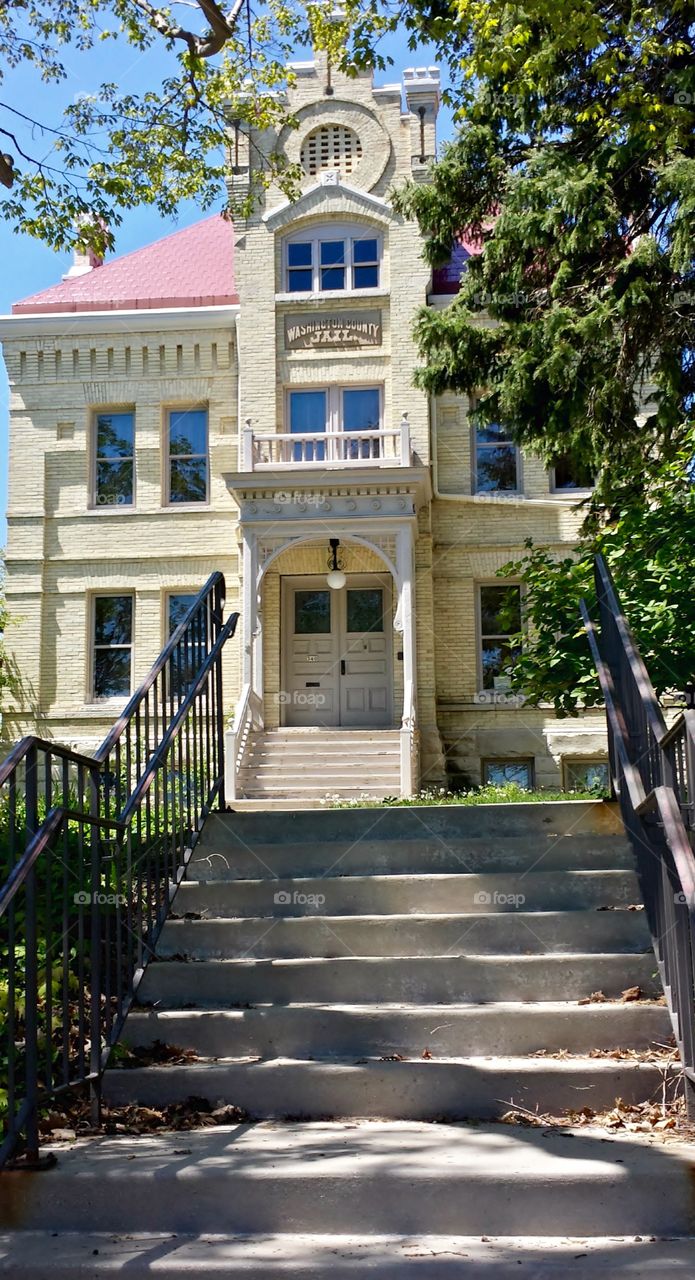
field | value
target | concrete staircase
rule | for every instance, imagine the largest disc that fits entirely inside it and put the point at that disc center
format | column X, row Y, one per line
column 349, row 978
column 310, row 764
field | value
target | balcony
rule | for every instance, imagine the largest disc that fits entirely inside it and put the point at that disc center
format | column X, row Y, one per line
column 326, row 450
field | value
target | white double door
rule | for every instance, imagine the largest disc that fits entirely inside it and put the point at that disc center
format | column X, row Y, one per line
column 337, row 648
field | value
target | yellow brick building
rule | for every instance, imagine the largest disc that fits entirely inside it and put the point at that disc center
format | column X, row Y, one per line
column 241, row 398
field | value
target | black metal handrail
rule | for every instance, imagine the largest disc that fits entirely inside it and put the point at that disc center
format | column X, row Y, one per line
column 653, row 775
column 92, row 850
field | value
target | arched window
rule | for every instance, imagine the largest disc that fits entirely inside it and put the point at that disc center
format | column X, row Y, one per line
column 331, row 146
column 333, row 258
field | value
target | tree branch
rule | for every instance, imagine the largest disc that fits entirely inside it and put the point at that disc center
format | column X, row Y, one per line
column 206, row 46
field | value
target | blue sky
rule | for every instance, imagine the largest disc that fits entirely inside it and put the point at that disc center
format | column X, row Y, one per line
column 26, row 265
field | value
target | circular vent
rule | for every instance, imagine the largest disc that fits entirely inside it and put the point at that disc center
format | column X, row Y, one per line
column 333, row 146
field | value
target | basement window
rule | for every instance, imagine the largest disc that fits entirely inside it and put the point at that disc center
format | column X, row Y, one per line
column 500, row 773
column 585, row 775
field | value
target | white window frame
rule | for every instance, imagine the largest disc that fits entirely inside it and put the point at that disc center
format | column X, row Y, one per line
column 489, row 493
column 167, row 456
column 97, row 412
column 349, row 234
column 480, row 587
column 92, row 646
column 334, row 403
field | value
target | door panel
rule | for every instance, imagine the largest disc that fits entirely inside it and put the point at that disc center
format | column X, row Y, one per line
column 366, row 686
column 337, row 648
column 311, row 694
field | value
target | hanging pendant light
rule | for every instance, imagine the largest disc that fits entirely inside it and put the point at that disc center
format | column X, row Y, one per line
column 335, row 578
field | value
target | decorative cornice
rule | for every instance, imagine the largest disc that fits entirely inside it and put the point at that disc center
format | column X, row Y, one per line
column 340, row 198
column 65, row 324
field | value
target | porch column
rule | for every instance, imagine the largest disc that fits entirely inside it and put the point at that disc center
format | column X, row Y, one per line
column 405, row 623
column 249, row 617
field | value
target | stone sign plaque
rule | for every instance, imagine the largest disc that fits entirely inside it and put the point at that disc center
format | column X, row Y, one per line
column 333, row 330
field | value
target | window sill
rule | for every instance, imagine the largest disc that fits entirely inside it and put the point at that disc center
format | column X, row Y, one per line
column 110, row 509
column 105, row 706
column 333, row 295
column 570, row 495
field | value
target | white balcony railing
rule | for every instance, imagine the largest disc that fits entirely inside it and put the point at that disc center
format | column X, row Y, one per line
column 268, row 451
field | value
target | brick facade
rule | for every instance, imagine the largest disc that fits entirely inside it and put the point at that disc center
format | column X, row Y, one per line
column 63, row 368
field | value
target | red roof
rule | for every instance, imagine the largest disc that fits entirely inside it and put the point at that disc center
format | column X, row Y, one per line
column 190, row 268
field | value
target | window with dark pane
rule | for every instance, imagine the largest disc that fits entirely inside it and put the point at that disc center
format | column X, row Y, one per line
column 496, row 461
column 300, row 267
column 188, row 455
column 365, row 264
column 113, row 646
column 115, row 462
column 500, row 623
column 569, row 473
column 190, row 652
column 312, row 613
column 361, row 411
column 332, row 264
column 308, row 415
column 500, row 773
column 365, row 609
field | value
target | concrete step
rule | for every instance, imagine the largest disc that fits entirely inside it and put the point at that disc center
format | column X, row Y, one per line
column 368, row 1178
column 71, row 1256
column 473, row 1088
column 336, row 895
column 314, row 736
column 225, row 983
column 445, row 822
column 460, row 1030
column 272, row 766
column 341, row 748
column 287, row 804
column 521, row 933
column 438, row 1089
column 246, row 860
column 289, row 787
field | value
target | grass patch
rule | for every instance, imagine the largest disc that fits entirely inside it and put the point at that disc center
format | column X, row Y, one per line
column 509, row 793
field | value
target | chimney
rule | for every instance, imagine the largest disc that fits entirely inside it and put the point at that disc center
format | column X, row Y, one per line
column 84, row 258
column 422, row 95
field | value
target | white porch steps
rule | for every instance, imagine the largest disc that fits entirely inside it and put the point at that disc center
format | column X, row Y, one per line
column 311, row 764
column 349, row 977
